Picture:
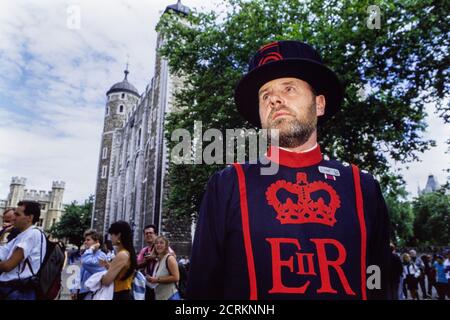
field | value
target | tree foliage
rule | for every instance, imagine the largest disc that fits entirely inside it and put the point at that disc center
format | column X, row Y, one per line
column 432, row 219
column 401, row 216
column 74, row 222
column 400, row 67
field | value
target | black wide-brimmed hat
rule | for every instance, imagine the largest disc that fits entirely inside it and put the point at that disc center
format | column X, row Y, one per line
column 287, row 59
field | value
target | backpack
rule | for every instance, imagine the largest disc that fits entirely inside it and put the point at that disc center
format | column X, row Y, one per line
column 47, row 282
column 181, row 285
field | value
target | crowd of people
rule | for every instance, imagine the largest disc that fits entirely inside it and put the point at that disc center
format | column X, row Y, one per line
column 157, row 263
column 409, row 272
column 109, row 269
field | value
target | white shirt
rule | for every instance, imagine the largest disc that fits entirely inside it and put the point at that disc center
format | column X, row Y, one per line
column 411, row 269
column 94, row 284
column 446, row 266
column 30, row 241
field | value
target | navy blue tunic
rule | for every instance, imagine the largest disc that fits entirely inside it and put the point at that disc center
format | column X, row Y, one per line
column 297, row 234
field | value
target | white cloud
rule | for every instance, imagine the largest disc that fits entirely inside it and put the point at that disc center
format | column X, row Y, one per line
column 53, row 82
column 432, row 162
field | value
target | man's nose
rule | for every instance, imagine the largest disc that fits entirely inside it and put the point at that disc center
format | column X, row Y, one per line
column 275, row 100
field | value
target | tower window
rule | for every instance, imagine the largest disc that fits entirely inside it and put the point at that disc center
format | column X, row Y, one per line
column 107, row 111
column 139, row 138
column 105, row 153
column 121, row 108
column 123, row 95
column 104, row 171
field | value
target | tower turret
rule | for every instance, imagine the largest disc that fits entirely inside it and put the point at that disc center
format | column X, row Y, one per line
column 55, row 206
column 16, row 191
column 122, row 97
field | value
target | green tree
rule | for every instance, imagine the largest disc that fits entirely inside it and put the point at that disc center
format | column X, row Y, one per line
column 74, row 222
column 432, row 218
column 402, row 217
column 401, row 66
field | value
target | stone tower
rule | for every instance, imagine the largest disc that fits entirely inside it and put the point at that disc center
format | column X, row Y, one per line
column 55, row 205
column 132, row 182
column 16, row 191
column 121, row 99
column 177, row 229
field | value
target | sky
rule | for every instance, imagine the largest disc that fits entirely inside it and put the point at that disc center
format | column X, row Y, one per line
column 55, row 70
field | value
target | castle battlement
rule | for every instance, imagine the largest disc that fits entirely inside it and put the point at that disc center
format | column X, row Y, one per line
column 51, row 200
column 36, row 196
column 18, row 180
column 58, row 185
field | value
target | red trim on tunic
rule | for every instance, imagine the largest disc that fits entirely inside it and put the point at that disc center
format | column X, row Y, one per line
column 362, row 225
column 246, row 232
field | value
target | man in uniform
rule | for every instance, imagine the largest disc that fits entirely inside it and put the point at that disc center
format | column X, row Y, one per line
column 316, row 229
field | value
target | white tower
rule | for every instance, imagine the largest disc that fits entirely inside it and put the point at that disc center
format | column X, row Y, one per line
column 122, row 97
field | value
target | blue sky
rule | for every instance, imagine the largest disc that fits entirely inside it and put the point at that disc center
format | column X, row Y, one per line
column 53, row 80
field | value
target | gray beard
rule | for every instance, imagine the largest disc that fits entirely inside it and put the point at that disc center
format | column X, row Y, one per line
column 296, row 134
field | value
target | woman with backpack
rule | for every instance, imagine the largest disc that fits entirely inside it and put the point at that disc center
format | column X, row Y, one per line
column 411, row 275
column 166, row 273
column 122, row 268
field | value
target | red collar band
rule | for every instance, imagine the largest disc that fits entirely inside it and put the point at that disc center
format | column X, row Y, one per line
column 295, row 159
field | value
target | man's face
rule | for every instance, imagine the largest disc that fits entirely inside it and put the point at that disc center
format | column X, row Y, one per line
column 8, row 218
column 149, row 235
column 22, row 221
column 289, row 105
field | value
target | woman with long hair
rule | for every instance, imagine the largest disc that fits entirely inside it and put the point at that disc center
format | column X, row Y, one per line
column 166, row 273
column 122, row 268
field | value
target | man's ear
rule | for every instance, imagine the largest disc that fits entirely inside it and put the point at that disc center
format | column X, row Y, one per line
column 320, row 105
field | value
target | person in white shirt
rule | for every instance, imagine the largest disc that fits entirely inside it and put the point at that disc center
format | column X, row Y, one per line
column 447, row 266
column 411, row 275
column 30, row 244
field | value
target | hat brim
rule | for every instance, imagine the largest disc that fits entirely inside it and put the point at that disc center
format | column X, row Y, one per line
column 321, row 78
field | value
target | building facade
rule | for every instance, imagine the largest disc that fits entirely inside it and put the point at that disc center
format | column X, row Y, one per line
column 133, row 161
column 51, row 202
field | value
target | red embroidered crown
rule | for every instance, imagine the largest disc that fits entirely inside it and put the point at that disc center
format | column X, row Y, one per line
column 305, row 210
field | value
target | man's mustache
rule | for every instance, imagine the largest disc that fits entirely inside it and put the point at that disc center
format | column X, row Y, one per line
column 280, row 108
